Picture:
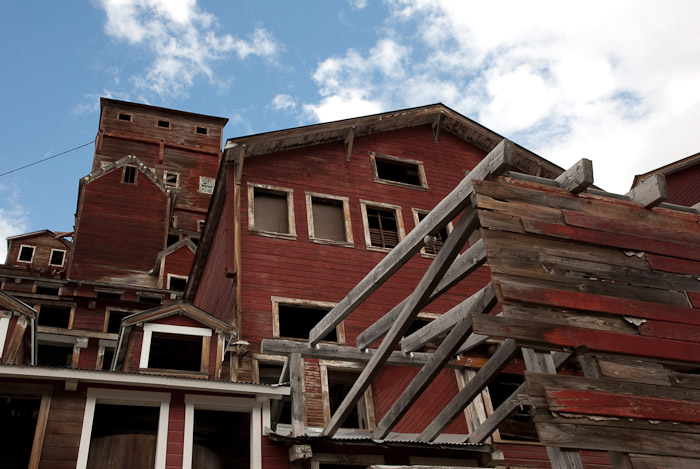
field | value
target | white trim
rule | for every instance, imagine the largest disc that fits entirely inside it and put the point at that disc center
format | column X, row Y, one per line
column 345, row 207
column 4, row 326
column 130, row 398
column 167, row 173
column 63, row 260
column 213, row 184
column 19, row 253
column 398, row 216
column 172, row 276
column 277, row 190
column 149, row 329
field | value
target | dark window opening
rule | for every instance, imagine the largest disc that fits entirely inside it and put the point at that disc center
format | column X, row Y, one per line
column 269, row 373
column 46, row 290
column 54, row 316
column 109, row 295
column 383, row 230
column 124, row 117
column 329, row 219
column 151, row 300
column 125, row 436
column 395, row 171
column 172, row 239
column 520, row 426
column 129, row 175
column 54, row 355
column 57, row 257
column 175, row 352
column 164, row 124
column 177, row 283
column 26, row 253
column 271, row 212
column 220, row 439
column 171, row 178
column 417, row 324
column 194, row 240
column 18, row 418
column 339, row 384
column 297, row 321
column 440, row 238
column 114, row 322
column 202, row 130
column 200, row 225
column 107, row 358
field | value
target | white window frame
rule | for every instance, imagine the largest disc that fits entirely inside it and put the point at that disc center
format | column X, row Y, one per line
column 171, row 276
column 259, row 411
column 64, row 257
column 398, row 215
column 166, row 173
column 19, row 253
column 349, row 242
column 202, row 179
column 403, row 161
column 129, row 398
column 136, row 174
column 284, row 191
column 416, row 220
column 4, row 327
column 149, row 329
column 312, row 304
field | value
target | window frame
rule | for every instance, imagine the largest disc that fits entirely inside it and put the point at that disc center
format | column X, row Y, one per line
column 120, row 114
column 368, row 399
column 136, row 173
column 349, row 241
column 150, row 328
column 416, row 220
column 197, row 127
column 202, row 186
column 63, row 261
column 312, row 304
column 19, row 253
column 71, row 316
column 108, row 313
column 166, row 173
column 398, row 215
column 129, row 398
column 172, row 276
column 291, row 222
column 403, row 161
column 163, row 121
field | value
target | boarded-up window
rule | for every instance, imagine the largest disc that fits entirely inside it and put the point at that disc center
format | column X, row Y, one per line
column 206, row 185
column 271, row 212
column 328, row 218
column 383, row 229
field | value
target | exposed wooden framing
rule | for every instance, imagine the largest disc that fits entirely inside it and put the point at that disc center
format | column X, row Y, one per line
column 466, row 224
column 479, row 302
column 278, row 404
column 422, row 380
column 219, row 355
column 39, row 431
column 650, row 192
column 483, row 377
column 348, row 142
column 498, row 160
column 436, row 125
column 473, row 341
column 465, row 264
column 577, row 178
column 15, row 343
column 296, row 372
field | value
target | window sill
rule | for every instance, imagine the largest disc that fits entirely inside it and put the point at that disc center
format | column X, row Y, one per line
column 400, row 184
column 179, row 373
column 272, row 234
column 378, row 249
column 332, row 242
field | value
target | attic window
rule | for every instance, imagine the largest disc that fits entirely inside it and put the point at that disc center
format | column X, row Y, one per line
column 294, row 319
column 398, row 171
column 329, row 219
column 57, row 258
column 383, row 225
column 271, row 211
column 440, row 236
column 202, row 130
column 206, row 185
column 171, row 178
column 164, row 124
column 177, row 282
column 123, row 116
column 179, row 348
column 26, row 253
column 129, row 176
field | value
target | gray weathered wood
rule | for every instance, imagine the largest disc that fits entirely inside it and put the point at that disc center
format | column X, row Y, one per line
column 577, row 178
column 482, row 379
column 297, row 394
column 479, row 302
column 497, row 161
column 348, row 142
column 436, row 125
column 425, row 376
column 431, row 278
column 473, row 341
column 278, row 404
column 464, row 265
column 650, row 192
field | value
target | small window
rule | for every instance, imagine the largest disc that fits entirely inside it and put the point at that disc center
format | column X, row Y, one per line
column 440, row 236
column 271, row 211
column 398, row 171
column 164, row 124
column 57, row 257
column 171, row 178
column 329, row 219
column 113, row 320
column 26, row 253
column 202, row 130
column 177, row 282
column 109, row 294
column 383, row 225
column 46, row 289
column 200, row 225
column 294, row 319
column 206, row 185
column 54, row 316
column 172, row 239
column 123, row 116
column 149, row 299
column 129, row 176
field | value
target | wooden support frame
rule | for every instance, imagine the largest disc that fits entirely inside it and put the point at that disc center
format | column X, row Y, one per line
column 296, row 370
column 277, row 405
column 651, row 192
column 577, row 178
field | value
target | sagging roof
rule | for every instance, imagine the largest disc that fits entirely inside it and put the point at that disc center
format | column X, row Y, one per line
column 11, row 303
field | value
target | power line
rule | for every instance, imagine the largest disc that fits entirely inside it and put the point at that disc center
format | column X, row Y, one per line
column 48, row 158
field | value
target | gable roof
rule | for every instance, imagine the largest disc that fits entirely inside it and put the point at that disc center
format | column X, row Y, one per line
column 58, row 236
column 670, row 168
column 179, row 308
column 11, row 303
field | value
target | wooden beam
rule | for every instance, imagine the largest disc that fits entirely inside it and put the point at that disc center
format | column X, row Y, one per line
column 496, row 162
column 15, row 343
column 348, row 142
column 278, row 404
column 650, row 192
column 577, row 178
column 464, row 265
column 296, row 371
column 437, row 123
column 39, row 432
column 482, row 379
column 425, row 376
column 466, row 224
column 479, row 302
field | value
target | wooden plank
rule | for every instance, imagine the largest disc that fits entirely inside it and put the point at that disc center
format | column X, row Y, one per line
column 425, row 376
column 278, row 404
column 620, row 368
column 644, row 461
column 297, row 394
column 483, row 377
column 671, row 264
column 40, row 431
column 650, row 192
column 530, row 332
column 464, row 265
column 480, row 302
column 582, row 319
column 465, row 226
column 610, row 423
column 15, row 343
column 497, row 161
column 577, row 178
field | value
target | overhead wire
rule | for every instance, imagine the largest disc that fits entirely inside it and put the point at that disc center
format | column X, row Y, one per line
column 48, row 158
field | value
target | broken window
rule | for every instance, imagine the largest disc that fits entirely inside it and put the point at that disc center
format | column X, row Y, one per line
column 329, row 218
column 202, row 130
column 336, row 388
column 400, row 171
column 177, row 282
column 54, row 316
column 383, row 225
column 26, row 253
column 107, row 358
column 129, row 176
column 175, row 352
column 171, row 178
column 271, row 210
column 206, row 185
column 54, row 355
column 57, row 257
column 18, row 419
column 113, row 321
column 164, row 124
column 440, row 236
column 294, row 319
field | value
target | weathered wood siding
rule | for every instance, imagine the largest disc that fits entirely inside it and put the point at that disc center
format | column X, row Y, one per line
column 178, row 263
column 683, row 186
column 63, row 428
column 43, row 243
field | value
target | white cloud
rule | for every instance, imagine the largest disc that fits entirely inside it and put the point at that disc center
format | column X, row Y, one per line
column 604, row 80
column 358, row 4
column 283, row 102
column 182, row 39
column 13, row 218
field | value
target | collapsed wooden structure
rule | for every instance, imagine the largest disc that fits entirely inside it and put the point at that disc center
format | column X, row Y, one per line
column 607, row 283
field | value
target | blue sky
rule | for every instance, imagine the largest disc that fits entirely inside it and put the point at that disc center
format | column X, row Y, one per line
column 604, row 80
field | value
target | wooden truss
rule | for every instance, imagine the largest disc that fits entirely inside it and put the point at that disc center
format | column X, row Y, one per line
column 577, row 273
